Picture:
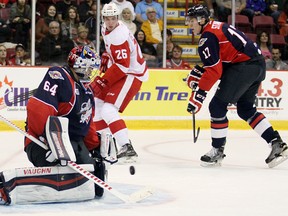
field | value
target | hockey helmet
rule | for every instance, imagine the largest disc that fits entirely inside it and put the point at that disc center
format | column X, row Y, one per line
column 199, row 12
column 110, row 9
column 84, row 60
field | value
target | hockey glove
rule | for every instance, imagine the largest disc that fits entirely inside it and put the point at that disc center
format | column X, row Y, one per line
column 104, row 62
column 98, row 85
column 196, row 101
column 194, row 76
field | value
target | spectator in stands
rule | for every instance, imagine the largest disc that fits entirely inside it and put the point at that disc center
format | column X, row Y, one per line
column 276, row 62
column 126, row 17
column 91, row 22
column 122, row 4
column 209, row 4
column 84, row 10
column 70, row 24
column 55, row 47
column 42, row 25
column 62, row 9
column 21, row 57
column 82, row 39
column 5, row 31
column 141, row 9
column 176, row 62
column 105, row 1
column 40, row 9
column 148, row 50
column 20, row 21
column 283, row 21
column 3, row 56
column 4, row 3
column 263, row 40
column 152, row 27
column 272, row 9
column 169, row 46
column 224, row 8
column 254, row 8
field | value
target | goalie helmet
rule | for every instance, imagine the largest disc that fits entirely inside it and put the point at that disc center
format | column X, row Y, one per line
column 199, row 12
column 84, row 61
column 110, row 9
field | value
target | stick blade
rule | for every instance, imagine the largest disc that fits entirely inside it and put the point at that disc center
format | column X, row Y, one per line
column 141, row 194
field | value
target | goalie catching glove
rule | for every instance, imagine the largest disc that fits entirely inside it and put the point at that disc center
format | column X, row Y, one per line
column 196, row 101
column 194, row 76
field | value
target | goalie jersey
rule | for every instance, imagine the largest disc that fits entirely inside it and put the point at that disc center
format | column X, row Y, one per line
column 60, row 95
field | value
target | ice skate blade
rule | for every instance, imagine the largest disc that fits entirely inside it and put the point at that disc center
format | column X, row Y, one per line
column 127, row 160
column 279, row 160
column 214, row 164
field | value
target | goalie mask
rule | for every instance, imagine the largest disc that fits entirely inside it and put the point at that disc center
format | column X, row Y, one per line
column 84, row 61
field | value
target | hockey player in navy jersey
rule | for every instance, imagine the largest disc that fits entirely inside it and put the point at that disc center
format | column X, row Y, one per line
column 229, row 56
column 64, row 91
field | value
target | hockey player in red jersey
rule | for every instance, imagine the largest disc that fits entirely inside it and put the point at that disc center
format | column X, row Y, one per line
column 229, row 56
column 124, row 71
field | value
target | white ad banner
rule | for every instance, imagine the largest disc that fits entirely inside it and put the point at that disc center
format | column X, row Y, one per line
column 272, row 96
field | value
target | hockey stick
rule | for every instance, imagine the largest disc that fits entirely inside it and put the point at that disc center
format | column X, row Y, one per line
column 133, row 198
column 17, row 99
column 195, row 136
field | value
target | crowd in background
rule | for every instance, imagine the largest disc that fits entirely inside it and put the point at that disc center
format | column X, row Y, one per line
column 62, row 25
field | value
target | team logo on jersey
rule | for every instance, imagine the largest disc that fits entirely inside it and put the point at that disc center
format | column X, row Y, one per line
column 56, row 75
column 202, row 41
column 86, row 112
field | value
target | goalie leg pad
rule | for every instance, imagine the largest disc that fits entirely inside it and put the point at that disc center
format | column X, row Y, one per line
column 47, row 185
column 58, row 139
column 108, row 148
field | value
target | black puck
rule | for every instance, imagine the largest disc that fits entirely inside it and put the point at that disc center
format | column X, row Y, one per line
column 132, row 170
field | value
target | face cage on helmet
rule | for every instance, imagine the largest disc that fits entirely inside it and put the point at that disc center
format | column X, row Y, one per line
column 86, row 74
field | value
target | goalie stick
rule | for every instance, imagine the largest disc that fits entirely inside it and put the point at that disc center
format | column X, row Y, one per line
column 133, row 198
column 17, row 99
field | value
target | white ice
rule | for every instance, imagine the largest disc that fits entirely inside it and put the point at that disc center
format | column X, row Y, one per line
column 169, row 162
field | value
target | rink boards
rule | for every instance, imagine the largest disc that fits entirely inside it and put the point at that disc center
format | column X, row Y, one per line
column 161, row 102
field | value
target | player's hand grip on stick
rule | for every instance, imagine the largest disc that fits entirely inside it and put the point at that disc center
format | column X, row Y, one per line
column 196, row 101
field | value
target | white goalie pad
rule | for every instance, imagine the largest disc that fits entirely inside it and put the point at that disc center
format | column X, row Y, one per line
column 58, row 139
column 108, row 148
column 48, row 185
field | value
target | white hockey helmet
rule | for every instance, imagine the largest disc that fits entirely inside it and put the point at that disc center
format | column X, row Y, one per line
column 110, row 9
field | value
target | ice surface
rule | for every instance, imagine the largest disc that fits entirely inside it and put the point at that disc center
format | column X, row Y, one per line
column 169, row 162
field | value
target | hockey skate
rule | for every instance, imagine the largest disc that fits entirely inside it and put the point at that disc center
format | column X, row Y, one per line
column 4, row 198
column 127, row 154
column 279, row 152
column 213, row 158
